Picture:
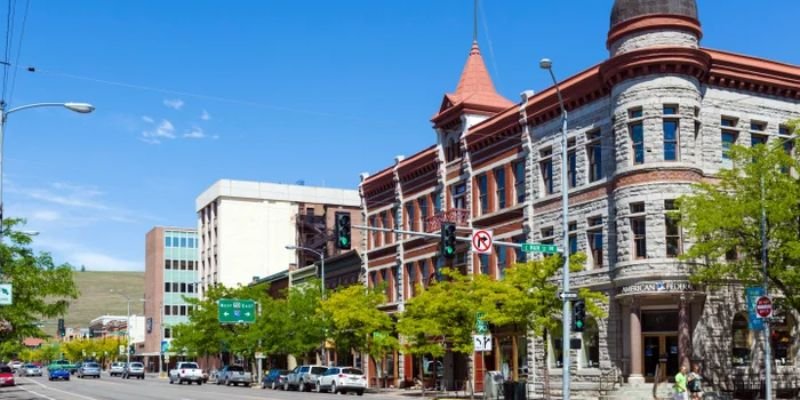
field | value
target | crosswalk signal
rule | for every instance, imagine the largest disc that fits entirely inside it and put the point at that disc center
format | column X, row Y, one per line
column 448, row 240
column 61, row 330
column 578, row 315
column 342, row 230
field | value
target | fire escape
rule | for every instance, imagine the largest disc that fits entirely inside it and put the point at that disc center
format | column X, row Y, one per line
column 312, row 233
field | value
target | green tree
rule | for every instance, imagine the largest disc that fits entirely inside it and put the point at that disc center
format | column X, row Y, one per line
column 41, row 289
column 304, row 325
column 356, row 323
column 723, row 219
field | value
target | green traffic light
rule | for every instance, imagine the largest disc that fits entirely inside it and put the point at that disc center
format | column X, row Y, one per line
column 343, row 240
column 449, row 250
column 579, row 324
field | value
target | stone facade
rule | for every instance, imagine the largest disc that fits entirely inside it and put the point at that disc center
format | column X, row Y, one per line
column 652, row 113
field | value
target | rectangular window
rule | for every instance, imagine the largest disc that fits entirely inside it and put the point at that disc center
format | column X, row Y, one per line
column 672, row 227
column 637, row 207
column 411, row 270
column 167, row 241
column 459, row 196
column 729, row 122
column 635, row 113
column 437, row 201
column 183, row 242
column 783, row 130
column 573, row 238
column 167, row 287
column 483, row 193
column 637, row 142
column 426, row 273
column 423, row 209
column 728, row 140
column 183, row 287
column 758, row 126
column 670, row 139
column 387, row 236
column 546, row 165
column 167, row 264
column 410, row 216
column 756, row 140
column 500, row 184
column 373, row 222
column 167, row 310
column 483, row 259
column 519, row 181
column 502, row 261
column 572, row 164
column 182, row 310
column 670, row 109
column 594, row 236
column 639, row 237
column 594, row 152
column 520, row 255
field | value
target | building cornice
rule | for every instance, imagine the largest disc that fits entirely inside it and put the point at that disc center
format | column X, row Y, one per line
column 651, row 22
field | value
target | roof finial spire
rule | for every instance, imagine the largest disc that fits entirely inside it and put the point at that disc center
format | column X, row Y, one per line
column 475, row 22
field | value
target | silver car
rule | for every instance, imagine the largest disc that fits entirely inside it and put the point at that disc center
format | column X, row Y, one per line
column 89, row 369
column 30, row 370
column 135, row 369
column 117, row 368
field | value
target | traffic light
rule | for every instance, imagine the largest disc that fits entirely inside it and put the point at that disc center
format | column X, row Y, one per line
column 578, row 315
column 61, row 330
column 132, row 350
column 342, row 230
column 448, row 240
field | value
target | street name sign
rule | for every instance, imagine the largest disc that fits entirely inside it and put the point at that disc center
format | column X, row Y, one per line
column 482, row 342
column 481, row 326
column 6, row 298
column 232, row 311
column 764, row 307
column 539, row 248
column 568, row 295
column 482, row 241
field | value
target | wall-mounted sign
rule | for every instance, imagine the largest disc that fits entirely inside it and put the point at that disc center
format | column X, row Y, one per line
column 6, row 297
column 658, row 287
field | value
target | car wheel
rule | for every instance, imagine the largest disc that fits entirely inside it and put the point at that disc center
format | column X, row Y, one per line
column 360, row 392
column 199, row 383
column 171, row 382
column 273, row 385
column 334, row 390
column 286, row 386
column 227, row 382
column 318, row 388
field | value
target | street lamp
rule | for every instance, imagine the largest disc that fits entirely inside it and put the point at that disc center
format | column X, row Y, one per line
column 82, row 108
column 547, row 64
column 127, row 326
column 321, row 263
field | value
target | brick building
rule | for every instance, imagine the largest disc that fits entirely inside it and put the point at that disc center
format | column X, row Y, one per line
column 645, row 124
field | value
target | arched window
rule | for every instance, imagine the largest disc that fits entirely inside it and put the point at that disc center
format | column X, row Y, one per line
column 590, row 346
column 742, row 340
column 782, row 340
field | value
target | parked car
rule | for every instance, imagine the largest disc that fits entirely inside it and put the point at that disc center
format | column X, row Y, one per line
column 57, row 373
column 134, row 369
column 233, row 375
column 342, row 380
column 89, row 369
column 274, row 378
column 303, row 378
column 15, row 365
column 117, row 369
column 186, row 372
column 6, row 376
column 30, row 370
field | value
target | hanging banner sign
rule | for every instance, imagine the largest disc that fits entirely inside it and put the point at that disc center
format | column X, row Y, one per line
column 751, row 295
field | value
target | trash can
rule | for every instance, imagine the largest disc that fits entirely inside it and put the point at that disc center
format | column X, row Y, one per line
column 508, row 390
column 520, row 391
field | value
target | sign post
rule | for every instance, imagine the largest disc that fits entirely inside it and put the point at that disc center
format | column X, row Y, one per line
column 482, row 241
column 232, row 311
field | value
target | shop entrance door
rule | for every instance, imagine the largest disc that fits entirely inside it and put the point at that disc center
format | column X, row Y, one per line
column 660, row 350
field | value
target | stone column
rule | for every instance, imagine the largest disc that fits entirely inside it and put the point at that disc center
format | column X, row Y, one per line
column 684, row 334
column 636, row 344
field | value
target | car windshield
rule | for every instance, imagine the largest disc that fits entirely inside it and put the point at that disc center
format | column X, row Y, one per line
column 189, row 365
column 235, row 368
column 30, row 366
column 318, row 370
column 352, row 371
column 5, row 369
column 137, row 365
column 91, row 365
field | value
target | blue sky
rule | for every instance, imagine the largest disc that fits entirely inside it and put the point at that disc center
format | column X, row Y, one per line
column 188, row 92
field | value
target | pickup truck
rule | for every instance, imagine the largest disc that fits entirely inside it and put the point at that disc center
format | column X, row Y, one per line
column 233, row 375
column 186, row 372
column 63, row 364
column 303, row 378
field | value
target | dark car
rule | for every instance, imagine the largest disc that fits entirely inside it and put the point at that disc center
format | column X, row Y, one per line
column 6, row 376
column 58, row 373
column 274, row 378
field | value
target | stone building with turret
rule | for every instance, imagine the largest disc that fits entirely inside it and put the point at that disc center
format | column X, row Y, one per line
column 645, row 124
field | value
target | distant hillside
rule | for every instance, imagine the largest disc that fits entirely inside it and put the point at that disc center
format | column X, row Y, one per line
column 96, row 298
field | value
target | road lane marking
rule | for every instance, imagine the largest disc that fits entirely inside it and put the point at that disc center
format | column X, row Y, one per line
column 35, row 393
column 62, row 391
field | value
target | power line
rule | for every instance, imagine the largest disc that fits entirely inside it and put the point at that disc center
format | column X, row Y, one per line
column 19, row 50
column 7, row 52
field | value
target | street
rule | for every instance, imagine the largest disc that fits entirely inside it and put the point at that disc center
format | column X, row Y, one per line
column 151, row 388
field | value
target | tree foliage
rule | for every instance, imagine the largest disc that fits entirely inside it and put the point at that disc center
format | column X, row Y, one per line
column 723, row 219
column 41, row 289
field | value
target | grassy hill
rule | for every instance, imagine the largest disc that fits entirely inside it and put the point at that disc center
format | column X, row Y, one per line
column 96, row 298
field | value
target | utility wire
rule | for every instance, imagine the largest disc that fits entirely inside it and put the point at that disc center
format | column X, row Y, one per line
column 7, row 53
column 19, row 50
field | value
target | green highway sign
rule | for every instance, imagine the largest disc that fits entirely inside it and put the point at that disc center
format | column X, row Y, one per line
column 539, row 248
column 232, row 311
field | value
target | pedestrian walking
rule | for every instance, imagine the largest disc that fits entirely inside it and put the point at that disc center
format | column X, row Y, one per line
column 695, row 383
column 680, row 385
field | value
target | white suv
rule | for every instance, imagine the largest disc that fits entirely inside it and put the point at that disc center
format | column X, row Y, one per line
column 342, row 379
